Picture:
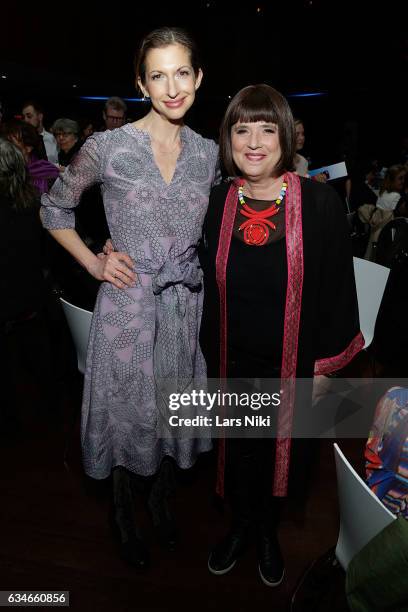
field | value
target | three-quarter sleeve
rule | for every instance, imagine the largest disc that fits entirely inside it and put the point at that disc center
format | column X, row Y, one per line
column 57, row 210
column 339, row 337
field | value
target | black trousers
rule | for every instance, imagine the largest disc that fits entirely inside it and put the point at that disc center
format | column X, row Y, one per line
column 249, row 481
column 257, row 456
column 250, row 461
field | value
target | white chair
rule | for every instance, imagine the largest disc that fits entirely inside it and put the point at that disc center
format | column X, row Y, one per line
column 362, row 514
column 371, row 279
column 79, row 323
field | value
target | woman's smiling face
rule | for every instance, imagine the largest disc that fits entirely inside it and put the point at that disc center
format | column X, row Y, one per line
column 256, row 148
column 170, row 81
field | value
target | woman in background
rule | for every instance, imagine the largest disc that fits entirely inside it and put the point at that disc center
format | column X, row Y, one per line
column 300, row 162
column 67, row 134
column 392, row 188
column 42, row 172
column 23, row 332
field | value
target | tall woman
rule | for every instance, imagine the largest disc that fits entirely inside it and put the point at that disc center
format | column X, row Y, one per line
column 156, row 176
column 280, row 292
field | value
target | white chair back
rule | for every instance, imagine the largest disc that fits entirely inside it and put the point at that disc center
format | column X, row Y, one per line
column 362, row 514
column 371, row 279
column 79, row 323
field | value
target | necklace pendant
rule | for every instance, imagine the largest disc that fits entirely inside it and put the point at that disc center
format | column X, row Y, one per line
column 256, row 227
column 256, row 234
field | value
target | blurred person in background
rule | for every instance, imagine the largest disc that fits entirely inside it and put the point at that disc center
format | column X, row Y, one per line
column 386, row 208
column 42, row 172
column 301, row 164
column 67, row 133
column 23, row 331
column 34, row 115
column 392, row 188
column 114, row 113
column 87, row 127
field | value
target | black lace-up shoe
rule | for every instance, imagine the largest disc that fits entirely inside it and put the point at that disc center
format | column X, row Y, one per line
column 225, row 554
column 271, row 565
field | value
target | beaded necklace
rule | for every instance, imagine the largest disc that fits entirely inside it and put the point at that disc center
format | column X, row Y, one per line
column 256, row 227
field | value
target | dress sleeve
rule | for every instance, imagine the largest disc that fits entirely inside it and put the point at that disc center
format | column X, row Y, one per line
column 339, row 336
column 57, row 211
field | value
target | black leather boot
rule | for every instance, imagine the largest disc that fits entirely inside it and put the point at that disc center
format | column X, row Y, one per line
column 163, row 486
column 122, row 519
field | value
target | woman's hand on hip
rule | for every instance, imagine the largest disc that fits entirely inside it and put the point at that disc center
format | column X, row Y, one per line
column 116, row 268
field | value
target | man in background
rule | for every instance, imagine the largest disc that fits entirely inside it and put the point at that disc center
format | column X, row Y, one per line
column 114, row 113
column 34, row 115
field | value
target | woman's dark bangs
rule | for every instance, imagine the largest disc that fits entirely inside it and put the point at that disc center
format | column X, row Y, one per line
column 253, row 109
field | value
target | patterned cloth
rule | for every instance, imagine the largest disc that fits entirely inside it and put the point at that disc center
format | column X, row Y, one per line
column 387, row 452
column 145, row 338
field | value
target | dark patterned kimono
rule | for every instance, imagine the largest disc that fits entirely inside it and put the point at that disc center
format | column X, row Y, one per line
column 317, row 320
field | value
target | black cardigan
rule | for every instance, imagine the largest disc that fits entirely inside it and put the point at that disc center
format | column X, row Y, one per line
column 21, row 258
column 329, row 315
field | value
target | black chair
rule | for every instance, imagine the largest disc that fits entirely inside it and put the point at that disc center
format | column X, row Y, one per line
column 392, row 243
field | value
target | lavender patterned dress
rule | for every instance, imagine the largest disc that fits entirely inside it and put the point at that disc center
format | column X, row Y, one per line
column 149, row 333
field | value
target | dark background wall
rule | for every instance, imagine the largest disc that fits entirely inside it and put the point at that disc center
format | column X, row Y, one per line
column 354, row 52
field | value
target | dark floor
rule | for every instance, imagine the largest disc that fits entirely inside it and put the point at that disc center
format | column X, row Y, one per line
column 55, row 534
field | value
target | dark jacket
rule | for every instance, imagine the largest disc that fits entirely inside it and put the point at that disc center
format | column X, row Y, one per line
column 21, row 279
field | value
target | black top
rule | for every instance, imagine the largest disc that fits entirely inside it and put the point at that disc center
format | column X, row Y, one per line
column 361, row 194
column 256, row 285
column 256, row 301
column 21, row 278
column 65, row 158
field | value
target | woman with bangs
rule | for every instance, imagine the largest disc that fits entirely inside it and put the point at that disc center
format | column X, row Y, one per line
column 280, row 290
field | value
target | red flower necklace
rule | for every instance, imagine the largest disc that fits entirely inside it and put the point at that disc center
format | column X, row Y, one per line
column 256, row 227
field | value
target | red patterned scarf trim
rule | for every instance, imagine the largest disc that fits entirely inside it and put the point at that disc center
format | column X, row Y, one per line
column 331, row 364
column 294, row 254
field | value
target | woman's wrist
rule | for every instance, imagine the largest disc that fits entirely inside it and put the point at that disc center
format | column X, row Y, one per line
column 91, row 264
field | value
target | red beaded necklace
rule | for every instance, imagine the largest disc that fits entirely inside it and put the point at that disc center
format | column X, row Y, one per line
column 256, row 227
